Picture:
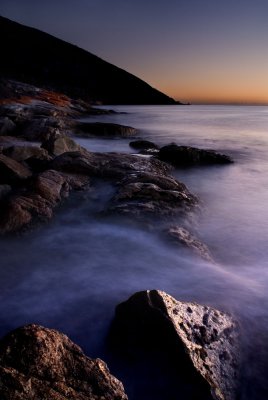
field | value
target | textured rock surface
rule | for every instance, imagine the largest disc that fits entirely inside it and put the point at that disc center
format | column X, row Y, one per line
column 143, row 186
column 38, row 363
column 38, row 201
column 180, row 235
column 60, row 144
column 107, row 165
column 138, row 199
column 199, row 340
column 22, row 153
column 187, row 156
column 105, row 129
column 12, row 171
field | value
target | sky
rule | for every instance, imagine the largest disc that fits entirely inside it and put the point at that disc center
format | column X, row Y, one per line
column 198, row 51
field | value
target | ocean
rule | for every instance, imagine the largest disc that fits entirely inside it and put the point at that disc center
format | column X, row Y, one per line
column 71, row 273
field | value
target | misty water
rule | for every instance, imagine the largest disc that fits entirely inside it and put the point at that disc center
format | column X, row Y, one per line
column 71, row 273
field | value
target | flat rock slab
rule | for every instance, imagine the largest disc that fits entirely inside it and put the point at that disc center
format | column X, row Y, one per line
column 107, row 165
column 104, row 129
column 190, row 156
column 39, row 363
column 200, row 341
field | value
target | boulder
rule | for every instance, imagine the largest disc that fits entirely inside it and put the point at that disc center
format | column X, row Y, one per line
column 181, row 236
column 200, row 342
column 59, row 144
column 145, row 199
column 143, row 186
column 40, row 363
column 104, row 129
column 190, row 156
column 6, row 126
column 12, row 171
column 37, row 202
column 24, row 152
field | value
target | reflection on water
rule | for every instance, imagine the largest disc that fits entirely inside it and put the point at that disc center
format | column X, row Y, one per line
column 71, row 273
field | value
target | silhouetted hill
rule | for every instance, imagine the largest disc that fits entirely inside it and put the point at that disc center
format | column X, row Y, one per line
column 32, row 56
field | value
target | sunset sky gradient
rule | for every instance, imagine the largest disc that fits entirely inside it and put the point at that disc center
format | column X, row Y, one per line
column 193, row 50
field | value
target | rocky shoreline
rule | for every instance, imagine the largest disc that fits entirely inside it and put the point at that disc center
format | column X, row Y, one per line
column 41, row 164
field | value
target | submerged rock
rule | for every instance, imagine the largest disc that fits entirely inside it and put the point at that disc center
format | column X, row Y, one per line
column 200, row 342
column 181, row 236
column 40, row 363
column 188, row 156
column 104, row 129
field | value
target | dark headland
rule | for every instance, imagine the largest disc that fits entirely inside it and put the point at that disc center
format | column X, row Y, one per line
column 32, row 56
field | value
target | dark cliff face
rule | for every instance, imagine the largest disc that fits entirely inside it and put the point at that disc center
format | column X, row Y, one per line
column 36, row 57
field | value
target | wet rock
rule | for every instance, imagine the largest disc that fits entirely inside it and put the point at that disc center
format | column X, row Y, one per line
column 189, row 156
column 179, row 235
column 12, row 171
column 143, row 186
column 200, row 342
column 107, row 165
column 24, row 152
column 6, row 126
column 104, row 129
column 143, row 145
column 41, row 363
column 37, row 202
column 4, row 191
column 41, row 129
column 141, row 199
column 60, row 144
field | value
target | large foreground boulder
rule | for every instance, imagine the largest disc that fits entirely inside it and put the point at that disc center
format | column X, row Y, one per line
column 38, row 363
column 189, row 156
column 198, row 341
